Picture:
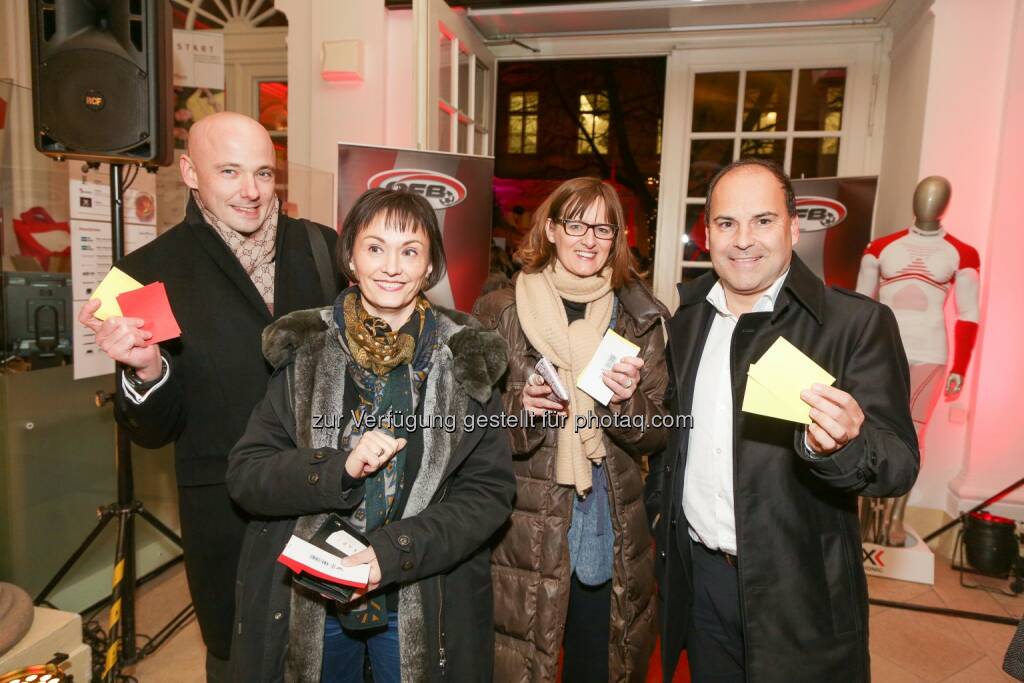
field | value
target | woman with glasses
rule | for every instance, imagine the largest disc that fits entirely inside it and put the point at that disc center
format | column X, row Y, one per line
column 574, row 566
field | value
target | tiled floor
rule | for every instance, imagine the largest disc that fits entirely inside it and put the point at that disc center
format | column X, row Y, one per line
column 906, row 647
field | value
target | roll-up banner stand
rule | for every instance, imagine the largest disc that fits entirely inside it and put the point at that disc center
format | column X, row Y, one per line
column 458, row 186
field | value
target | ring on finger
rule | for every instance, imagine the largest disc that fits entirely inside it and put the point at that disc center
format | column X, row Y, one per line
column 628, row 383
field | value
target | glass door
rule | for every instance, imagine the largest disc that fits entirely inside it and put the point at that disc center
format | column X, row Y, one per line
column 807, row 107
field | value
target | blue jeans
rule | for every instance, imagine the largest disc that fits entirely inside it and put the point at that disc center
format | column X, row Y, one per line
column 345, row 651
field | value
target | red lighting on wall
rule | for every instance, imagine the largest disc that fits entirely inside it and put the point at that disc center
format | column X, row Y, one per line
column 341, row 76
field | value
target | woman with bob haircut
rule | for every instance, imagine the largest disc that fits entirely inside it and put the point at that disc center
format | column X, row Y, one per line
column 357, row 421
column 574, row 567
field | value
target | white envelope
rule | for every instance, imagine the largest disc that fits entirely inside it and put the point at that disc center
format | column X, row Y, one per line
column 612, row 348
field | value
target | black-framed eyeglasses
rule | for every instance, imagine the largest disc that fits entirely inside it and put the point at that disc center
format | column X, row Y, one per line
column 576, row 228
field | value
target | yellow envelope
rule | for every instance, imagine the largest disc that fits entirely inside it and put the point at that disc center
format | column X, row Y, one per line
column 775, row 381
column 758, row 399
column 116, row 282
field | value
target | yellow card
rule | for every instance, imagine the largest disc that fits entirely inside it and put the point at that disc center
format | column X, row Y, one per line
column 116, row 282
column 775, row 381
column 758, row 399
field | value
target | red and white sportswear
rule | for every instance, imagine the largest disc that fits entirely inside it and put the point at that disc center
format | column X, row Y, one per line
column 911, row 272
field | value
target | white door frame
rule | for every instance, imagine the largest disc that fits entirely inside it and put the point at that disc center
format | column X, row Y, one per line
column 428, row 18
column 862, row 50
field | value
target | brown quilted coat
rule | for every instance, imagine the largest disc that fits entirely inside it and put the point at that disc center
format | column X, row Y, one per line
column 530, row 565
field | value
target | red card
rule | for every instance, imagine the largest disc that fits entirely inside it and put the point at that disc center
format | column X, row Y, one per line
column 150, row 303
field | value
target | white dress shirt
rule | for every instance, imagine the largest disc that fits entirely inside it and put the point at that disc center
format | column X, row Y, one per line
column 707, row 483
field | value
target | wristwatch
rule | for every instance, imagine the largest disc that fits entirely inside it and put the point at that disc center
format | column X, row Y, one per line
column 141, row 386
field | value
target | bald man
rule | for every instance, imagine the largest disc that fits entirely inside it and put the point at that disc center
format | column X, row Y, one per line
column 233, row 266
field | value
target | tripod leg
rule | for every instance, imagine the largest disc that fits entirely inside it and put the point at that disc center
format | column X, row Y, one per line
column 160, row 526
column 105, row 516
column 116, row 630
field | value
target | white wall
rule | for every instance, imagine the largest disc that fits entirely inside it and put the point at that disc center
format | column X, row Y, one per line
column 946, row 116
column 910, row 62
column 376, row 111
column 997, row 432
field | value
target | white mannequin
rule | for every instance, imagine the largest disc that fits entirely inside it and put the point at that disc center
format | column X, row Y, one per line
column 912, row 272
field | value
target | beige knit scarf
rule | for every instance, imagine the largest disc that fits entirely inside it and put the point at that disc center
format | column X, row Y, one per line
column 569, row 348
column 255, row 251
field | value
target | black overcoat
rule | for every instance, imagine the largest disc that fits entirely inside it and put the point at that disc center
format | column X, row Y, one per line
column 803, row 593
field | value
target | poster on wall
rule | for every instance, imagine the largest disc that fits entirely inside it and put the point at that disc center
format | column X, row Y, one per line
column 91, row 249
column 198, row 79
column 458, row 186
column 835, row 225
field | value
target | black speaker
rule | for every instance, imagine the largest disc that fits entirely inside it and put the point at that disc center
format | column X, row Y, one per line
column 102, row 80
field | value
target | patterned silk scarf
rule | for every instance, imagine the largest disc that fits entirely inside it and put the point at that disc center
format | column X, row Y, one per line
column 388, row 369
column 255, row 251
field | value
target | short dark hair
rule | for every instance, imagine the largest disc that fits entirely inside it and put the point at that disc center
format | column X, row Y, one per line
column 770, row 166
column 402, row 210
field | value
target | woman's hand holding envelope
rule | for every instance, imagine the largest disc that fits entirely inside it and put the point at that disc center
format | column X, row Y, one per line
column 836, row 418
column 367, row 556
column 623, row 378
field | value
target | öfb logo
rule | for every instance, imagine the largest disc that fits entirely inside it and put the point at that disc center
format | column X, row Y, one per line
column 819, row 213
column 442, row 191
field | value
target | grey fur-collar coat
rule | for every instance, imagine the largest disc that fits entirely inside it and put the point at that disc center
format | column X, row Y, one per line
column 288, row 474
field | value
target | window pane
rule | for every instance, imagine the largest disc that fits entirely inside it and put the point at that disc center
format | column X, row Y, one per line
column 601, row 133
column 515, row 134
column 530, row 134
column 531, row 100
column 274, row 105
column 445, row 62
column 766, row 100
column 531, row 125
column 775, row 150
column 481, row 143
column 515, row 101
column 815, row 158
column 463, row 82
column 444, row 131
column 586, row 103
column 819, row 99
column 707, row 157
column 714, row 101
column 601, row 101
column 597, row 126
column 481, row 96
column 464, row 138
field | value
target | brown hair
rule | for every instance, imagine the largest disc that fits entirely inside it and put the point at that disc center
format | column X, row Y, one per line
column 402, row 210
column 570, row 201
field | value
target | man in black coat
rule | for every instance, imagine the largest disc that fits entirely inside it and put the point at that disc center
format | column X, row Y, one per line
column 233, row 266
column 759, row 554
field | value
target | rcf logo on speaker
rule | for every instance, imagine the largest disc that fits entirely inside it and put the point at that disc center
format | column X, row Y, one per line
column 819, row 213
column 94, row 100
column 442, row 191
column 873, row 558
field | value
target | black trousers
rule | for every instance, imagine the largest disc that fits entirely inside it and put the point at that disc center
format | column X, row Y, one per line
column 714, row 641
column 587, row 629
column 212, row 530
